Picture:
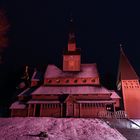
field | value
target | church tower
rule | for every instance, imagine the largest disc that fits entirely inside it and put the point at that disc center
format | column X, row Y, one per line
column 128, row 83
column 72, row 56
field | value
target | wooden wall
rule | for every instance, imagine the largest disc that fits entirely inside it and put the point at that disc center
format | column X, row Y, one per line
column 19, row 112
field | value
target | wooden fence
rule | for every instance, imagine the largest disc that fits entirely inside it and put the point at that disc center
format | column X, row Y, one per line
column 121, row 114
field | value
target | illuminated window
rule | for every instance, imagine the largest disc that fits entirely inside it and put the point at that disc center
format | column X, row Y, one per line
column 125, row 86
column 58, row 81
column 71, row 63
column 93, row 80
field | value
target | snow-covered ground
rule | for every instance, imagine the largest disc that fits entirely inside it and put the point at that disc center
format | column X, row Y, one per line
column 57, row 129
column 137, row 121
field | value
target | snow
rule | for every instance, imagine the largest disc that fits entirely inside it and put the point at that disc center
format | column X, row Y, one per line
column 136, row 121
column 71, row 90
column 87, row 70
column 17, row 105
column 57, row 129
column 114, row 95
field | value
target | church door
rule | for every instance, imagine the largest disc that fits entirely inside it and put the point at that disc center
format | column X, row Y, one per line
column 69, row 106
column 69, row 109
column 37, row 111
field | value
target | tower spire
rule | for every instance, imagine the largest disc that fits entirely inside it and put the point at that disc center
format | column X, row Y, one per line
column 126, row 71
column 71, row 39
column 72, row 56
column 128, row 82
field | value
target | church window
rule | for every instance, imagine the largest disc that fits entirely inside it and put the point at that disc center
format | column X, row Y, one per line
column 93, row 80
column 67, row 81
column 84, row 80
column 58, row 81
column 49, row 105
column 32, row 105
column 49, row 81
column 43, row 106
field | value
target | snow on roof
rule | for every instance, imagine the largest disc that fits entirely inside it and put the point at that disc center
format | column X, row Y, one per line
column 42, row 102
column 18, row 105
column 37, row 76
column 114, row 95
column 27, row 92
column 87, row 70
column 89, row 101
column 23, row 92
column 71, row 90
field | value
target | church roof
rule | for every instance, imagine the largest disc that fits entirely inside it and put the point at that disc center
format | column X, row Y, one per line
column 42, row 102
column 27, row 92
column 96, row 102
column 18, row 105
column 37, row 76
column 87, row 70
column 114, row 95
column 71, row 90
column 126, row 71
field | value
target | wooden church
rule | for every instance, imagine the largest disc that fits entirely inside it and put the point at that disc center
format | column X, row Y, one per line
column 76, row 91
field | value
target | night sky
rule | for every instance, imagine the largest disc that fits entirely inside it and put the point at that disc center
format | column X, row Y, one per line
column 39, row 32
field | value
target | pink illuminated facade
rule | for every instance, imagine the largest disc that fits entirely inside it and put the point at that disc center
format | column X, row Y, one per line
column 73, row 91
column 128, row 84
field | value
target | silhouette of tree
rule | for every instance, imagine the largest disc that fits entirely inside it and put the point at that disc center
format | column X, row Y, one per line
column 4, row 27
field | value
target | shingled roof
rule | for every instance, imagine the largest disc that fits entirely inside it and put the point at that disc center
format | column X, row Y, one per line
column 87, row 70
column 71, row 90
column 126, row 71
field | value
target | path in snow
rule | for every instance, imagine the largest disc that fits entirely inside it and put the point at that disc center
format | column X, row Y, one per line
column 126, row 127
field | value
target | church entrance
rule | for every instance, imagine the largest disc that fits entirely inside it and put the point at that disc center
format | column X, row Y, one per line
column 69, row 109
column 69, row 102
column 37, row 111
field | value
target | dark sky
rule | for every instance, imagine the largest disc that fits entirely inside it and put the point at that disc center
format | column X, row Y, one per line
column 39, row 31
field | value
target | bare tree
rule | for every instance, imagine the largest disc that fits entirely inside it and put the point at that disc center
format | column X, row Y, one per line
column 4, row 27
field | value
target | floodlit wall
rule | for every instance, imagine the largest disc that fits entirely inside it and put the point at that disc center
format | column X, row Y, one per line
column 19, row 113
column 71, row 81
column 89, row 110
column 53, row 110
column 131, row 97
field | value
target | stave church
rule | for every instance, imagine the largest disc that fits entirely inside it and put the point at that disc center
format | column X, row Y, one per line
column 75, row 89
